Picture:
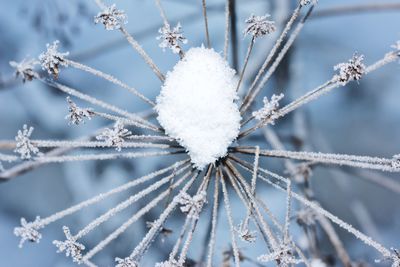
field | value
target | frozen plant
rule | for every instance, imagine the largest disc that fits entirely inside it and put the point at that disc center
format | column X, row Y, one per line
column 171, row 38
column 25, row 69
column 214, row 139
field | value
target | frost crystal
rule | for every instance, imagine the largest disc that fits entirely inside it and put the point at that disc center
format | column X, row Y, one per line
column 196, row 105
column 284, row 255
column 51, row 60
column 24, row 146
column 25, row 69
column 170, row 38
column 115, row 136
column 269, row 111
column 307, row 2
column 193, row 205
column 28, row 231
column 126, row 262
column 111, row 17
column 258, row 26
column 351, row 70
column 70, row 246
column 245, row 234
column 76, row 114
column 169, row 263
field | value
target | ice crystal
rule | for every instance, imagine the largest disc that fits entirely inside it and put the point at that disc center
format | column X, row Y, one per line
column 52, row 59
column 24, row 146
column 258, row 26
column 126, row 262
column 28, row 231
column 170, row 38
column 269, row 111
column 284, row 255
column 25, row 69
column 169, row 263
column 351, row 70
column 76, row 114
column 245, row 234
column 193, row 205
column 196, row 105
column 111, row 17
column 70, row 246
column 115, row 136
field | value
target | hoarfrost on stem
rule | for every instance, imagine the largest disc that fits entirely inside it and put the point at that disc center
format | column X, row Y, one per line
column 170, row 38
column 196, row 105
column 111, row 17
column 126, row 262
column 25, row 69
column 307, row 2
column 115, row 136
column 76, row 114
column 70, row 246
column 52, row 59
column 169, row 263
column 258, row 26
column 28, row 231
column 24, row 146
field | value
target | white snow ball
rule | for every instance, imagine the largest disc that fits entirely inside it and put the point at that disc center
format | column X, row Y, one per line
column 197, row 106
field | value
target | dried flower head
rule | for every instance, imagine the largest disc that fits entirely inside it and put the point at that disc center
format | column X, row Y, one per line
column 126, row 262
column 193, row 205
column 76, row 114
column 258, row 26
column 170, row 38
column 269, row 111
column 70, row 246
column 28, row 231
column 351, row 70
column 52, row 59
column 24, row 146
column 111, row 17
column 25, row 69
column 245, row 233
column 115, row 136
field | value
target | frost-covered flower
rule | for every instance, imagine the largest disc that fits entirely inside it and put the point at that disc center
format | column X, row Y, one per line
column 24, row 146
column 126, row 262
column 115, row 136
column 258, row 26
column 28, row 231
column 193, row 205
column 52, row 59
column 269, row 111
column 351, row 70
column 170, row 38
column 70, row 246
column 76, row 114
column 111, row 17
column 25, row 69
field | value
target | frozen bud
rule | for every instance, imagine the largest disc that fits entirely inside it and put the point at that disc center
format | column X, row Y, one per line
column 115, row 136
column 52, row 59
column 24, row 145
column 25, row 69
column 171, row 38
column 70, row 246
column 28, row 231
column 268, row 112
column 258, row 26
column 111, row 18
column 76, row 114
column 351, row 70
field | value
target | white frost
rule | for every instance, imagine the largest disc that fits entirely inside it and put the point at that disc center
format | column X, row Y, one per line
column 196, row 105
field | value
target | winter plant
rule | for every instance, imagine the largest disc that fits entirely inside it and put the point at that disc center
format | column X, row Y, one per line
column 205, row 114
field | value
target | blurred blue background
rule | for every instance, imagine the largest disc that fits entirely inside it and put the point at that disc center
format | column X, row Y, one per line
column 362, row 118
